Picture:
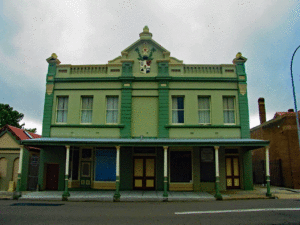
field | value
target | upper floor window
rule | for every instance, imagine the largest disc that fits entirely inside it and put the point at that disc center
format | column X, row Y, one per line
column 86, row 109
column 62, row 109
column 178, row 110
column 112, row 110
column 228, row 110
column 204, row 110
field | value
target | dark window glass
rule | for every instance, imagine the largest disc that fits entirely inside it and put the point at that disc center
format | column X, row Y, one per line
column 75, row 156
column 86, row 153
column 207, row 165
column 180, row 166
column 148, row 150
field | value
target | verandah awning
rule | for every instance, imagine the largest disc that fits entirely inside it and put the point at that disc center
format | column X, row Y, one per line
column 249, row 144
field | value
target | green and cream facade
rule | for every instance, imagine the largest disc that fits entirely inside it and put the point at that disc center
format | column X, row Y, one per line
column 145, row 120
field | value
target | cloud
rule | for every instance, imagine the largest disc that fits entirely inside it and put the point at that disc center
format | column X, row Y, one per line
column 201, row 32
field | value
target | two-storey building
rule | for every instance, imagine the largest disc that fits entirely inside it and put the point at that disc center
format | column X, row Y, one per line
column 146, row 121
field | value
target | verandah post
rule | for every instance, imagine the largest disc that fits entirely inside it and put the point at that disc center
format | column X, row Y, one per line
column 165, row 195
column 66, row 193
column 117, row 193
column 268, row 172
column 218, row 195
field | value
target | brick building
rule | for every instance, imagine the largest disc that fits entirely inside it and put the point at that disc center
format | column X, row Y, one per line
column 281, row 131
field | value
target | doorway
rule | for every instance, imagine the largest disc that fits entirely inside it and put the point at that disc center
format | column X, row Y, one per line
column 232, row 172
column 144, row 173
column 85, row 175
column 52, row 173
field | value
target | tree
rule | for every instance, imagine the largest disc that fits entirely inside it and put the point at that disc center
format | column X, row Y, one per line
column 12, row 117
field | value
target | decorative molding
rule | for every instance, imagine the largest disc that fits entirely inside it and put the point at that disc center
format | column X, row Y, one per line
column 49, row 88
column 243, row 89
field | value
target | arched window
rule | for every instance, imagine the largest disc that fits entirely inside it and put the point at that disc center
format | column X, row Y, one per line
column 15, row 170
column 3, row 167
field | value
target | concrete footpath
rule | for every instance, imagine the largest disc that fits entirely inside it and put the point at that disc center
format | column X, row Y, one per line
column 259, row 192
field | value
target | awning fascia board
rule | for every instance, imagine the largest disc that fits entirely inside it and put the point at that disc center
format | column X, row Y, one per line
column 106, row 142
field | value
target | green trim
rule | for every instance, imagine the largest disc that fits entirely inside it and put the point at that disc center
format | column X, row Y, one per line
column 127, row 69
column 165, row 195
column 163, row 110
column 9, row 149
column 269, row 194
column 126, row 109
column 243, row 102
column 205, row 89
column 144, row 79
column 163, row 69
column 117, row 192
column 202, row 126
column 89, row 126
column 87, row 89
column 48, row 106
column 218, row 195
column 66, row 193
column 103, row 89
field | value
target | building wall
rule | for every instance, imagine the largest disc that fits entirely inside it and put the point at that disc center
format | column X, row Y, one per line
column 284, row 146
column 9, row 152
column 145, row 105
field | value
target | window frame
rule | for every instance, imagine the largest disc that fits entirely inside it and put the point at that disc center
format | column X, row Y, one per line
column 234, row 110
column 81, row 108
column 106, row 110
column 57, row 104
column 209, row 101
column 177, row 110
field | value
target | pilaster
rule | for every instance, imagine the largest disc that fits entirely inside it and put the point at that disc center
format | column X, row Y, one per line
column 239, row 62
column 126, row 99
column 48, row 105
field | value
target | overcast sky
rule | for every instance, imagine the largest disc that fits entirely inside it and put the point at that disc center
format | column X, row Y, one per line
column 196, row 31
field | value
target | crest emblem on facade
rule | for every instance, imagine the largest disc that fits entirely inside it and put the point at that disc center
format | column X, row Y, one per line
column 145, row 58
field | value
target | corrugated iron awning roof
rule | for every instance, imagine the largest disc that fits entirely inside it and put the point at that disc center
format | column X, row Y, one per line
column 250, row 143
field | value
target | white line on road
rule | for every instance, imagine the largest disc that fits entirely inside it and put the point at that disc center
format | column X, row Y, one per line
column 239, row 210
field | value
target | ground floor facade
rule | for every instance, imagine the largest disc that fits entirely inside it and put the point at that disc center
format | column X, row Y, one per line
column 154, row 165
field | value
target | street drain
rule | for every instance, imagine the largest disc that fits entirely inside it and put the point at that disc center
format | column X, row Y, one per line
column 35, row 204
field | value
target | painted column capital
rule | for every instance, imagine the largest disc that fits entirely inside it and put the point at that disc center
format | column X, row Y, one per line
column 217, row 147
column 165, row 147
column 118, row 147
column 67, row 146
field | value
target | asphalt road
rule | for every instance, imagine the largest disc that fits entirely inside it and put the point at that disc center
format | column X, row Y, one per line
column 271, row 211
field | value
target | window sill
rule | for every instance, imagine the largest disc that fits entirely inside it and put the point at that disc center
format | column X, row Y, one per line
column 202, row 126
column 89, row 125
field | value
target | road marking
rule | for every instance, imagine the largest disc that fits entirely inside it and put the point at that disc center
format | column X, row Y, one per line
column 239, row 210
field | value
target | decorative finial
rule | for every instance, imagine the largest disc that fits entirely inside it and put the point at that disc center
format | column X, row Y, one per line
column 146, row 29
column 54, row 56
column 238, row 55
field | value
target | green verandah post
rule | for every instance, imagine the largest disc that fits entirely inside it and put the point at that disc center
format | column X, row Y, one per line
column 218, row 195
column 165, row 195
column 66, row 193
column 117, row 192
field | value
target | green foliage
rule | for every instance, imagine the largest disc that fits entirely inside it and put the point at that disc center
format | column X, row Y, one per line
column 12, row 117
